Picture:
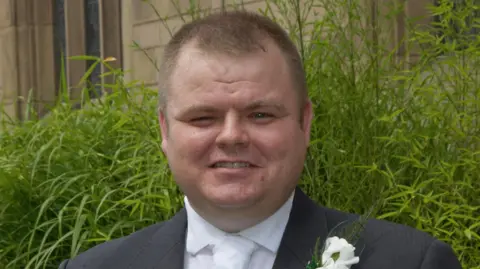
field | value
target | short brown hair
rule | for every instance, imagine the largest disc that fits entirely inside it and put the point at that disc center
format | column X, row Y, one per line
column 232, row 33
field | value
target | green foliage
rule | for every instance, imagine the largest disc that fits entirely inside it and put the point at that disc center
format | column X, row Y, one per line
column 384, row 129
column 79, row 177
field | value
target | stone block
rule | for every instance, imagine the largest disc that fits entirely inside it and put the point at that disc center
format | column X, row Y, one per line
column 126, row 37
column 418, row 12
column 281, row 17
column 183, row 7
column 251, row 5
column 274, row 12
column 156, row 33
column 143, row 69
column 9, row 107
column 25, row 60
column 6, row 13
column 148, row 34
column 43, row 11
column 23, row 12
column 45, row 71
column 143, row 12
column 8, row 63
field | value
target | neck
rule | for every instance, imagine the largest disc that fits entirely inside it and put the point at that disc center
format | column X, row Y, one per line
column 233, row 225
column 234, row 220
column 230, row 220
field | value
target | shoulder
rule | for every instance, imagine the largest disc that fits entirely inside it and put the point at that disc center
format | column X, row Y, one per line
column 382, row 230
column 392, row 245
column 93, row 257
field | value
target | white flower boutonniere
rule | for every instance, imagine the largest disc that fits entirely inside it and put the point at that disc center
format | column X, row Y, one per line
column 339, row 254
column 338, row 250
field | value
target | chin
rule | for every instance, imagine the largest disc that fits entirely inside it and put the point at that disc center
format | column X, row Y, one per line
column 228, row 202
column 232, row 198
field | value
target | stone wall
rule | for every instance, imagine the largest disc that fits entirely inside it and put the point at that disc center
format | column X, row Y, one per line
column 8, row 61
column 27, row 51
column 26, row 54
column 141, row 25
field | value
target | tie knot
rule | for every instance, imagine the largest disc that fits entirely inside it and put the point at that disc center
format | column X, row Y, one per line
column 233, row 251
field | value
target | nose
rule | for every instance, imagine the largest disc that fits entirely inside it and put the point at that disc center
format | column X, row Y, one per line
column 233, row 133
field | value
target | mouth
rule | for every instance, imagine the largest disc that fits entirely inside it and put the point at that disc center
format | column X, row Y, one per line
column 232, row 165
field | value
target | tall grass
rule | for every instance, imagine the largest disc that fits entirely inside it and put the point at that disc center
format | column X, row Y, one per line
column 383, row 129
column 79, row 177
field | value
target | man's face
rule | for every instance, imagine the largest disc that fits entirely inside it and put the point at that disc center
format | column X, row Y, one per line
column 232, row 131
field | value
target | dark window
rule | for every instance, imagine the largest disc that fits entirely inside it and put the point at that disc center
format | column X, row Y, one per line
column 59, row 41
column 92, row 44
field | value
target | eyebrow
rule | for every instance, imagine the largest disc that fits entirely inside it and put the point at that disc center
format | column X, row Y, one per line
column 265, row 103
column 198, row 109
column 253, row 106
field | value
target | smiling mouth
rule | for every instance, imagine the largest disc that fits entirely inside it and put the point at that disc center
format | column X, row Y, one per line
column 232, row 165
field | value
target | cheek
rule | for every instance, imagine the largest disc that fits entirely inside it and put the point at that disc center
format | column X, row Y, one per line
column 276, row 144
column 188, row 144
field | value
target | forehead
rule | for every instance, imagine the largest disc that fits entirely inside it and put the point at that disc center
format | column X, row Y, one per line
column 196, row 67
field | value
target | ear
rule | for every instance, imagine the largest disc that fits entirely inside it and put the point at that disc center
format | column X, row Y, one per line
column 162, row 119
column 307, row 120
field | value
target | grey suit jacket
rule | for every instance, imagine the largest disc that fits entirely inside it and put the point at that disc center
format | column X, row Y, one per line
column 386, row 245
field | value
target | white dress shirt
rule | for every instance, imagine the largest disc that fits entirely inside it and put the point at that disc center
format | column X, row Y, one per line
column 201, row 236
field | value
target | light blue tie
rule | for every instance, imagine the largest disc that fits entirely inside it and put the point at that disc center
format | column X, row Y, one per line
column 233, row 252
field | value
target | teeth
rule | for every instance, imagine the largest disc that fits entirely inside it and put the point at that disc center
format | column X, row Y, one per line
column 232, row 164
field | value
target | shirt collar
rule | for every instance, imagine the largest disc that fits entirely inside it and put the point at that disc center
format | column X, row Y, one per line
column 268, row 233
column 200, row 233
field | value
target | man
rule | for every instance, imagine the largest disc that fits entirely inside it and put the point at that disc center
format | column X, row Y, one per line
column 235, row 120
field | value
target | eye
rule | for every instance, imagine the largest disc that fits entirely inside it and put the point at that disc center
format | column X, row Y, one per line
column 202, row 121
column 261, row 115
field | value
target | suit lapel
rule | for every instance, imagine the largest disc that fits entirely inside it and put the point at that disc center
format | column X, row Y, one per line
column 171, row 241
column 163, row 249
column 306, row 225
